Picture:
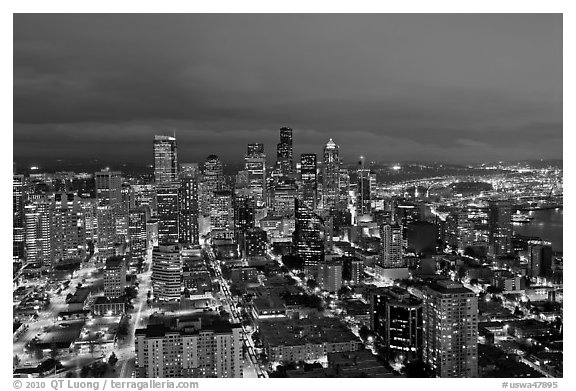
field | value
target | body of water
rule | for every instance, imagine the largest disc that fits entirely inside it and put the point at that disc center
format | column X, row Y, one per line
column 547, row 225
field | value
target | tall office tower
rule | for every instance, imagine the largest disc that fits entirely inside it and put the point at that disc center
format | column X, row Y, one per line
column 331, row 176
column 67, row 234
column 390, row 255
column 206, row 347
column 190, row 169
column 137, row 235
column 255, row 240
column 344, row 188
column 189, row 208
column 165, row 159
column 108, row 188
column 539, row 258
column 330, row 275
column 366, row 188
column 308, row 236
column 212, row 180
column 38, row 232
column 396, row 319
column 106, row 232
column 168, row 204
column 255, row 164
column 89, row 208
column 352, row 270
column 284, row 153
column 309, row 180
column 450, row 323
column 166, row 272
column 222, row 215
column 114, row 277
column 18, row 219
column 282, row 196
column 244, row 213
column 500, row 227
column 144, row 195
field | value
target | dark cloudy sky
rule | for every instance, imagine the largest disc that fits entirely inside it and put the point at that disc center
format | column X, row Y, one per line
column 454, row 88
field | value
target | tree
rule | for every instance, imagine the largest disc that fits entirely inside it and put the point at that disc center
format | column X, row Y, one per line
column 112, row 360
column 85, row 371
column 418, row 369
column 311, row 284
column 293, row 262
column 16, row 360
column 364, row 332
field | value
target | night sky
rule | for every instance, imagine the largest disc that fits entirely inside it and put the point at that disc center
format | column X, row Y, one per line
column 456, row 88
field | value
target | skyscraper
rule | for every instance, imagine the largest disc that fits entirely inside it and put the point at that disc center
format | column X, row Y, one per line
column 284, row 153
column 539, row 258
column 168, row 205
column 396, row 319
column 137, row 236
column 188, row 211
column 114, row 277
column 500, row 227
column 18, row 219
column 206, row 347
column 165, row 159
column 108, row 188
column 331, row 175
column 212, row 180
column 38, row 232
column 222, row 215
column 450, row 323
column 308, row 236
column 67, row 233
column 309, row 180
column 166, row 272
column 255, row 164
column 366, row 188
column 390, row 255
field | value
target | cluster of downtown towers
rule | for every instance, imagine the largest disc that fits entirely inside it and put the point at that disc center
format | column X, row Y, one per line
column 189, row 202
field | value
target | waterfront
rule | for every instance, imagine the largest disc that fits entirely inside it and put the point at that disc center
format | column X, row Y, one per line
column 547, row 224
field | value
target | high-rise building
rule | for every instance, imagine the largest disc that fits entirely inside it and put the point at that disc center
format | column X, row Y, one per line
column 222, row 215
column 168, row 205
column 189, row 169
column 137, row 235
column 106, row 232
column 165, row 159
column 18, row 219
column 189, row 209
column 166, row 272
column 144, row 195
column 212, row 180
column 38, row 232
column 244, row 213
column 330, row 275
column 450, row 324
column 255, row 164
column 539, row 258
column 308, row 236
column 366, row 189
column 114, row 277
column 331, row 175
column 344, row 187
column 255, row 240
column 352, row 270
column 284, row 162
column 108, row 188
column 282, row 196
column 390, row 255
column 500, row 227
column 199, row 348
column 309, row 180
column 396, row 319
column 67, row 234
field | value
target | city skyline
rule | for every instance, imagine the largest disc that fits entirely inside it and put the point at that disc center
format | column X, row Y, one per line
column 456, row 88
